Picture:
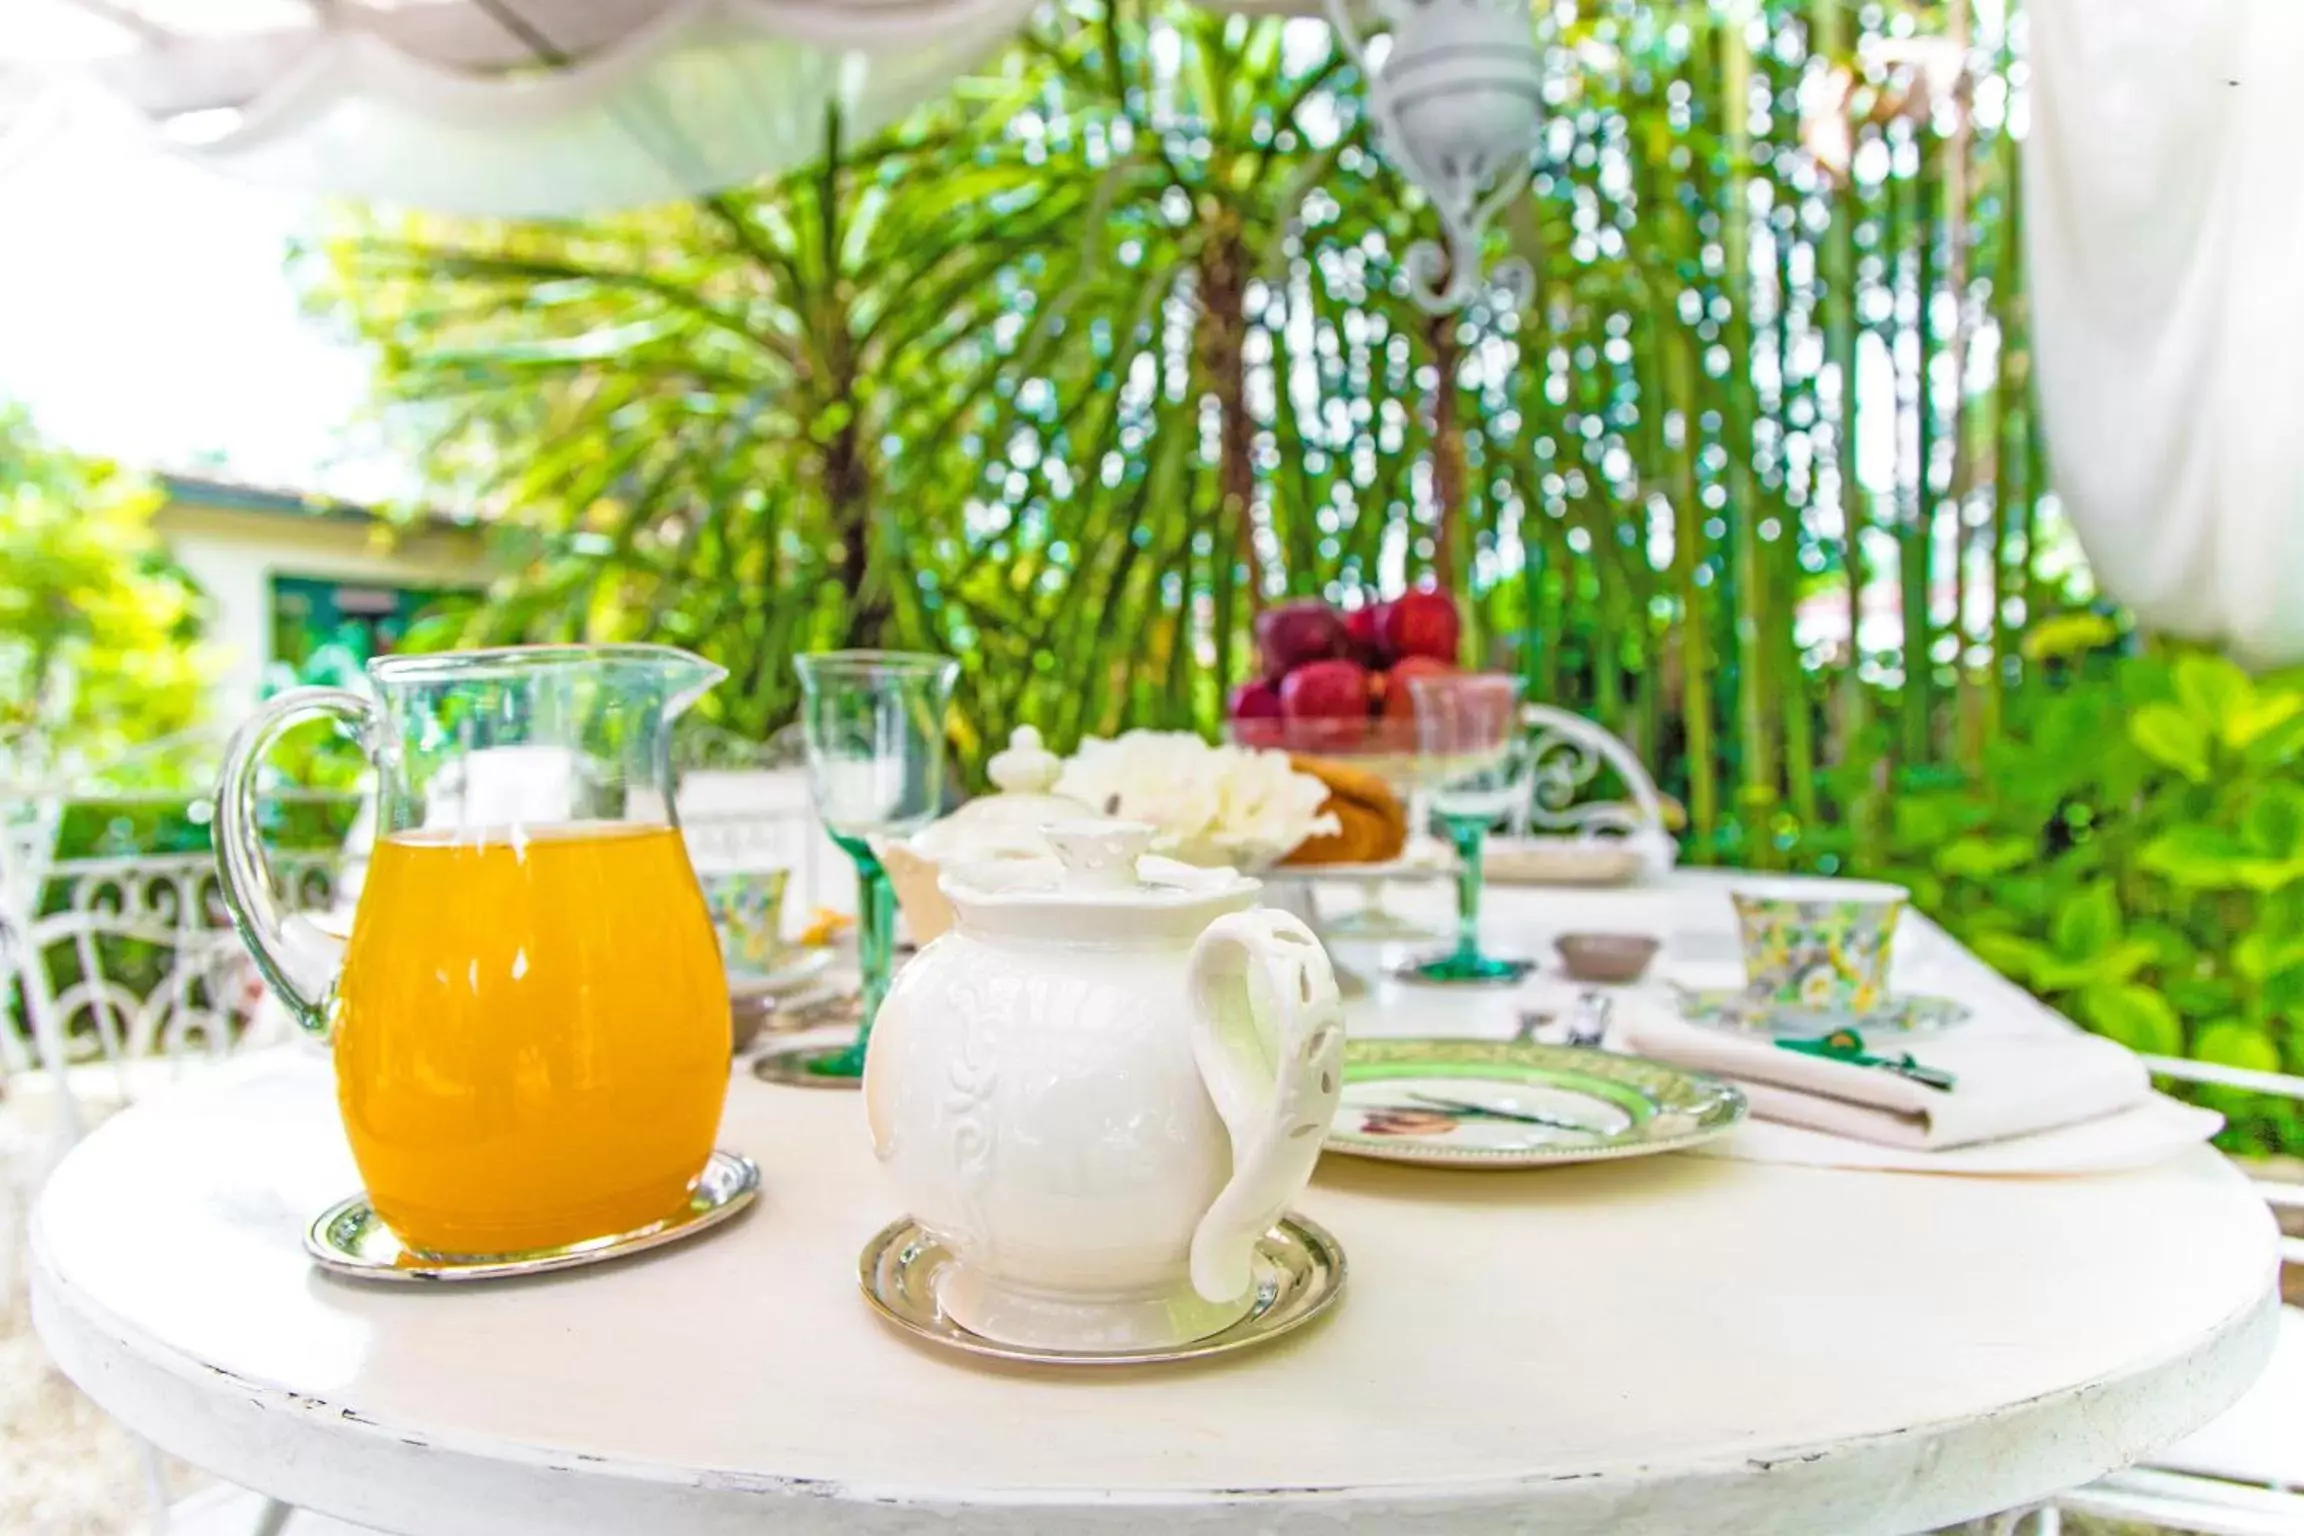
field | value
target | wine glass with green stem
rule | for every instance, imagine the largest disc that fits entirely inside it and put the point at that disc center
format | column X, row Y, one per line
column 873, row 722
column 1473, row 762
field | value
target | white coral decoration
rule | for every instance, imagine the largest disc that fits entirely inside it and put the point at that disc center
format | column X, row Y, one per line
column 1213, row 805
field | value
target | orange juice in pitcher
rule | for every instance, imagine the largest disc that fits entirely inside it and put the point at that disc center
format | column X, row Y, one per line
column 530, row 1021
column 532, row 1037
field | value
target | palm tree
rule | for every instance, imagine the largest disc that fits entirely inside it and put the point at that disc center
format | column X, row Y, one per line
column 1071, row 373
column 718, row 423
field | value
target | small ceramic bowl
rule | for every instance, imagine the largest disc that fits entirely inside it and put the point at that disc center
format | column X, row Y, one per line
column 1611, row 959
column 747, row 1014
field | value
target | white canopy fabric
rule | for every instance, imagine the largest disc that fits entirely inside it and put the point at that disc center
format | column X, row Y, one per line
column 530, row 108
column 2165, row 216
column 2165, row 221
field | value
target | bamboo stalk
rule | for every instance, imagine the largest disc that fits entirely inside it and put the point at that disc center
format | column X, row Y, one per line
column 2008, row 393
column 1687, row 559
column 1956, row 237
column 1552, row 602
column 1538, row 646
column 1659, row 673
column 1913, row 546
column 1840, row 332
column 2027, row 453
column 1533, row 564
column 1450, row 556
column 1800, row 765
column 2035, row 584
column 1757, row 776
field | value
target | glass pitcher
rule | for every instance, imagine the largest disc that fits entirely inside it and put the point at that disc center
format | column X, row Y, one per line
column 530, row 1019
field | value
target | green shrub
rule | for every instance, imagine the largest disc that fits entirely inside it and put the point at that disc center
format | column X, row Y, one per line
column 2132, row 850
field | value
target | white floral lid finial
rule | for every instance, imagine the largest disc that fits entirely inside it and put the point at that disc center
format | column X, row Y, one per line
column 1024, row 766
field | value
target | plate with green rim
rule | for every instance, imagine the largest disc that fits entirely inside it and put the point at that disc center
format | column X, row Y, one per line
column 1513, row 1104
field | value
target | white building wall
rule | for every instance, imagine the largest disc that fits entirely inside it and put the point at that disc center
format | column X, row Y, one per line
column 234, row 555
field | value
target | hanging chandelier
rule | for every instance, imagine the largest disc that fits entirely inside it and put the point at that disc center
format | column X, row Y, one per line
column 1457, row 106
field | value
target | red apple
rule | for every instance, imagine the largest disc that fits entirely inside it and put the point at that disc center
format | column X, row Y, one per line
column 1291, row 635
column 1399, row 698
column 1424, row 623
column 1325, row 690
column 1364, row 630
column 1258, row 699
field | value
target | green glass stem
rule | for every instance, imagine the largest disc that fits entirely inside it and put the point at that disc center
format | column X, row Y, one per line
column 1466, row 964
column 1466, row 835
column 875, row 952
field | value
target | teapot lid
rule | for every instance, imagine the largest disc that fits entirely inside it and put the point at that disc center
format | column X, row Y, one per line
column 1006, row 824
column 1025, row 766
column 1100, row 867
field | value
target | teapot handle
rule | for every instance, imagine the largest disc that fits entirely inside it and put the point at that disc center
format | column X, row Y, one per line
column 296, row 957
column 1268, row 1037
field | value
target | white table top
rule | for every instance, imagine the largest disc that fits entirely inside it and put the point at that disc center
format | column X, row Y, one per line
column 1671, row 1345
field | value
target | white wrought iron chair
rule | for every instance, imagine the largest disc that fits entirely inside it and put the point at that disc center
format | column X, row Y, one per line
column 2243, row 1475
column 1573, row 762
column 124, row 967
column 119, row 972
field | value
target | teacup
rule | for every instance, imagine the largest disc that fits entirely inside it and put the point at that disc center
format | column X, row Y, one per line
column 1819, row 946
column 748, row 913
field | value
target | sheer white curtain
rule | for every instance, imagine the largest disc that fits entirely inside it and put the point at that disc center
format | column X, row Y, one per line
column 513, row 107
column 2164, row 198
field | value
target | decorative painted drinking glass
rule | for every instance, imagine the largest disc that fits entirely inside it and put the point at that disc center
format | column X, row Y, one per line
column 1473, row 762
column 1818, row 946
column 874, row 726
column 747, row 907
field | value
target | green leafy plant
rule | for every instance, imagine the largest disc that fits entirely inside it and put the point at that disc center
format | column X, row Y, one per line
column 2132, row 850
column 98, row 630
column 1070, row 373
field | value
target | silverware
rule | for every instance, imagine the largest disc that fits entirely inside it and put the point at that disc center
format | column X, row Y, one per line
column 1489, row 1112
column 1845, row 1045
column 1588, row 1024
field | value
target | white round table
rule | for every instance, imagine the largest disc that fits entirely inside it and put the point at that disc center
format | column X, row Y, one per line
column 1674, row 1345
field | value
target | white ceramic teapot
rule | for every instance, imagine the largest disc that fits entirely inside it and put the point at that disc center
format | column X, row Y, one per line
column 1102, row 1087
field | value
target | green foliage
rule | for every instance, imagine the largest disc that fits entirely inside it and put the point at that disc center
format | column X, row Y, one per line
column 1071, row 373
column 2133, row 851
column 945, row 390
column 97, row 629
column 1075, row 370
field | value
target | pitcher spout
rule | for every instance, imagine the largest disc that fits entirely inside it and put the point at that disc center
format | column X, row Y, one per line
column 687, row 678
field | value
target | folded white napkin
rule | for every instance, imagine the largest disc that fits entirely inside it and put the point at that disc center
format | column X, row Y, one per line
column 2147, row 1132
column 2006, row 1084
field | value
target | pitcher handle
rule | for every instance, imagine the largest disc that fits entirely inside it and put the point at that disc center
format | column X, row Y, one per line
column 1268, row 1037
column 296, row 957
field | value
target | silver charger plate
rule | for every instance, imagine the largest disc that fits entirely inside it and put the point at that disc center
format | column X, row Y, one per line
column 351, row 1240
column 1299, row 1271
column 791, row 1067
